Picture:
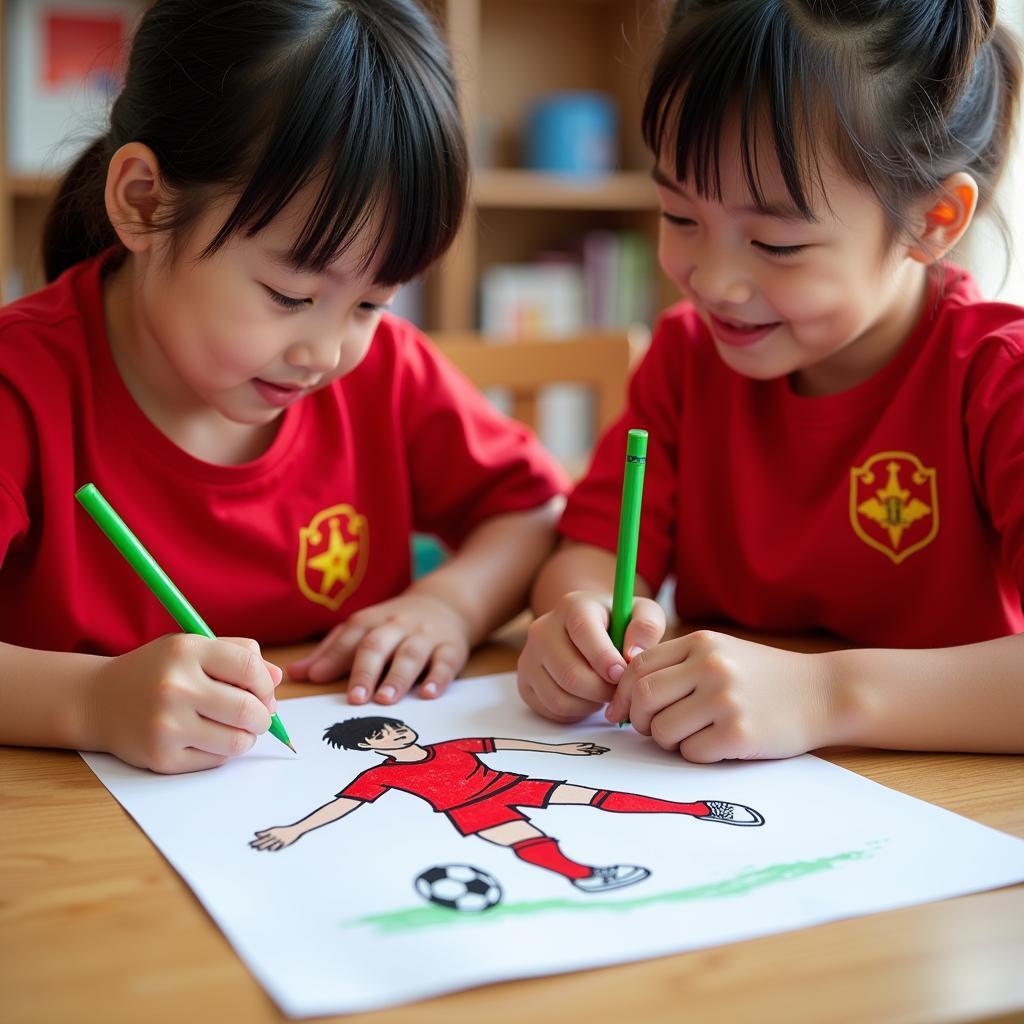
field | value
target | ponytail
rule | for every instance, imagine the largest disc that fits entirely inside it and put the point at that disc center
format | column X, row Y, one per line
column 77, row 225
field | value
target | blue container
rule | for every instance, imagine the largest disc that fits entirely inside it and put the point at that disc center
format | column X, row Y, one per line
column 573, row 133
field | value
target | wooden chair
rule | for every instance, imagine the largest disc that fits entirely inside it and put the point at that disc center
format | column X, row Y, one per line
column 598, row 361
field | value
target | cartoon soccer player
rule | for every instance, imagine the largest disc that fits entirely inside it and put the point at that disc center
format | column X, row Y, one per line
column 480, row 801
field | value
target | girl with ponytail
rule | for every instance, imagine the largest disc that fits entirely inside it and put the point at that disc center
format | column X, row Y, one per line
column 215, row 353
column 836, row 414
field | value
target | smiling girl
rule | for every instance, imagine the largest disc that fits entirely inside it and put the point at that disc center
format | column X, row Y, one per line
column 836, row 415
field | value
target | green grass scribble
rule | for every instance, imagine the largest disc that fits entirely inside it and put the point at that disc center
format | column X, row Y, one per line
column 430, row 916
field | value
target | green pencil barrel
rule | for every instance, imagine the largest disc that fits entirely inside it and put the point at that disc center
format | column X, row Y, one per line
column 153, row 576
column 141, row 561
column 629, row 535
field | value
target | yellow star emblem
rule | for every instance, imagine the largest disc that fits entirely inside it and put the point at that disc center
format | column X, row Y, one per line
column 336, row 562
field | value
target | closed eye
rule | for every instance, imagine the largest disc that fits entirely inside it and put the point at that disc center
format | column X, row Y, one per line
column 287, row 301
column 682, row 222
column 779, row 250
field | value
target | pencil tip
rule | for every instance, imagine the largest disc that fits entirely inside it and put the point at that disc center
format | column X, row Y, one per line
column 293, row 750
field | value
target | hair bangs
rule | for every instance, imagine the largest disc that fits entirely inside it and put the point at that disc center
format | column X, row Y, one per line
column 751, row 67
column 391, row 176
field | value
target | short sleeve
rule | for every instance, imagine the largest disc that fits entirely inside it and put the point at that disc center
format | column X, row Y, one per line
column 472, row 746
column 17, row 458
column 994, row 426
column 654, row 405
column 467, row 461
column 366, row 787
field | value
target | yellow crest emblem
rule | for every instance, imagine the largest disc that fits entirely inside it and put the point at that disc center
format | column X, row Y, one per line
column 900, row 514
column 332, row 555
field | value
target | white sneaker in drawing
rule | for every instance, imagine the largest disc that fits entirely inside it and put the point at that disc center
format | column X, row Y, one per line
column 618, row 876
column 731, row 814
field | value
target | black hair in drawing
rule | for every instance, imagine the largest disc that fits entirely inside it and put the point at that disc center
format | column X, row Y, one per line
column 350, row 733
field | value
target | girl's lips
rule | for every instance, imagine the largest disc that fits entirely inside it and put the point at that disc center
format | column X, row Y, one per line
column 732, row 333
column 276, row 395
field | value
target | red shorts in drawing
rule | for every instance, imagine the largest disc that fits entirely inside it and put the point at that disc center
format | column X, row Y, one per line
column 501, row 808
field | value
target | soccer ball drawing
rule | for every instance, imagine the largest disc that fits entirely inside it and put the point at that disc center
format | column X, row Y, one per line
column 459, row 887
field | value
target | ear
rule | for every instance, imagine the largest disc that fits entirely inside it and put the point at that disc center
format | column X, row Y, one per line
column 944, row 217
column 134, row 194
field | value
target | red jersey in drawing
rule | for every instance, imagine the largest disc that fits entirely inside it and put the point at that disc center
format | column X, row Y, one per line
column 450, row 776
column 891, row 514
column 281, row 548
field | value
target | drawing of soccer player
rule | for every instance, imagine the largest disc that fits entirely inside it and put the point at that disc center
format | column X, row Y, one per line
column 480, row 801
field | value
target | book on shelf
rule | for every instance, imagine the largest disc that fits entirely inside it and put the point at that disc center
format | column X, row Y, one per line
column 605, row 284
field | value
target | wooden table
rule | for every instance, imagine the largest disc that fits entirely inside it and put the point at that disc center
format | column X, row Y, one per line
column 96, row 926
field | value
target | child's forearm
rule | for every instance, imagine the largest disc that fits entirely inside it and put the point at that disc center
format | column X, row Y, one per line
column 487, row 581
column 958, row 699
column 577, row 567
column 45, row 698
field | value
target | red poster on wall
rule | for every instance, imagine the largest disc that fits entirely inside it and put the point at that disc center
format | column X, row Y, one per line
column 83, row 46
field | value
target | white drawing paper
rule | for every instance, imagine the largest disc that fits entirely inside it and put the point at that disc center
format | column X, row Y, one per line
column 468, row 841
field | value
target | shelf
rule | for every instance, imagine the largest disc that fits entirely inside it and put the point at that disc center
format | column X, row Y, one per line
column 518, row 189
column 31, row 186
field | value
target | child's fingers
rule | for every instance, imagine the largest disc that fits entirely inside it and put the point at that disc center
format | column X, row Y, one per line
column 189, row 760
column 445, row 665
column 651, row 694
column 221, row 740
column 239, row 662
column 332, row 657
column 689, row 727
column 407, row 663
column 666, row 655
column 707, row 745
column 563, row 662
column 547, row 698
column 372, row 654
column 645, row 629
column 233, row 707
column 587, row 627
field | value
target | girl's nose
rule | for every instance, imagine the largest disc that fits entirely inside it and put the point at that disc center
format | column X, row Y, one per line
column 316, row 357
column 716, row 283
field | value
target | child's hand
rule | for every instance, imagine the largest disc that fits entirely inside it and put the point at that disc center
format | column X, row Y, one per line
column 415, row 632
column 183, row 703
column 713, row 697
column 569, row 666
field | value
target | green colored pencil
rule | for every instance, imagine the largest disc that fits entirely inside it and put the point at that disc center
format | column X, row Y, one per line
column 629, row 536
column 153, row 576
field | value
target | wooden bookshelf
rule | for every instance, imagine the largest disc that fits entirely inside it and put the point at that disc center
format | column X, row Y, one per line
column 529, row 190
column 508, row 54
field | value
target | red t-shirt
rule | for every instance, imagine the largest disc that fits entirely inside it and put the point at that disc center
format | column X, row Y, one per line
column 279, row 549
column 889, row 514
column 451, row 775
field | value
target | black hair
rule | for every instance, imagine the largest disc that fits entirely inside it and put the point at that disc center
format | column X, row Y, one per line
column 353, row 731
column 907, row 92
column 260, row 98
